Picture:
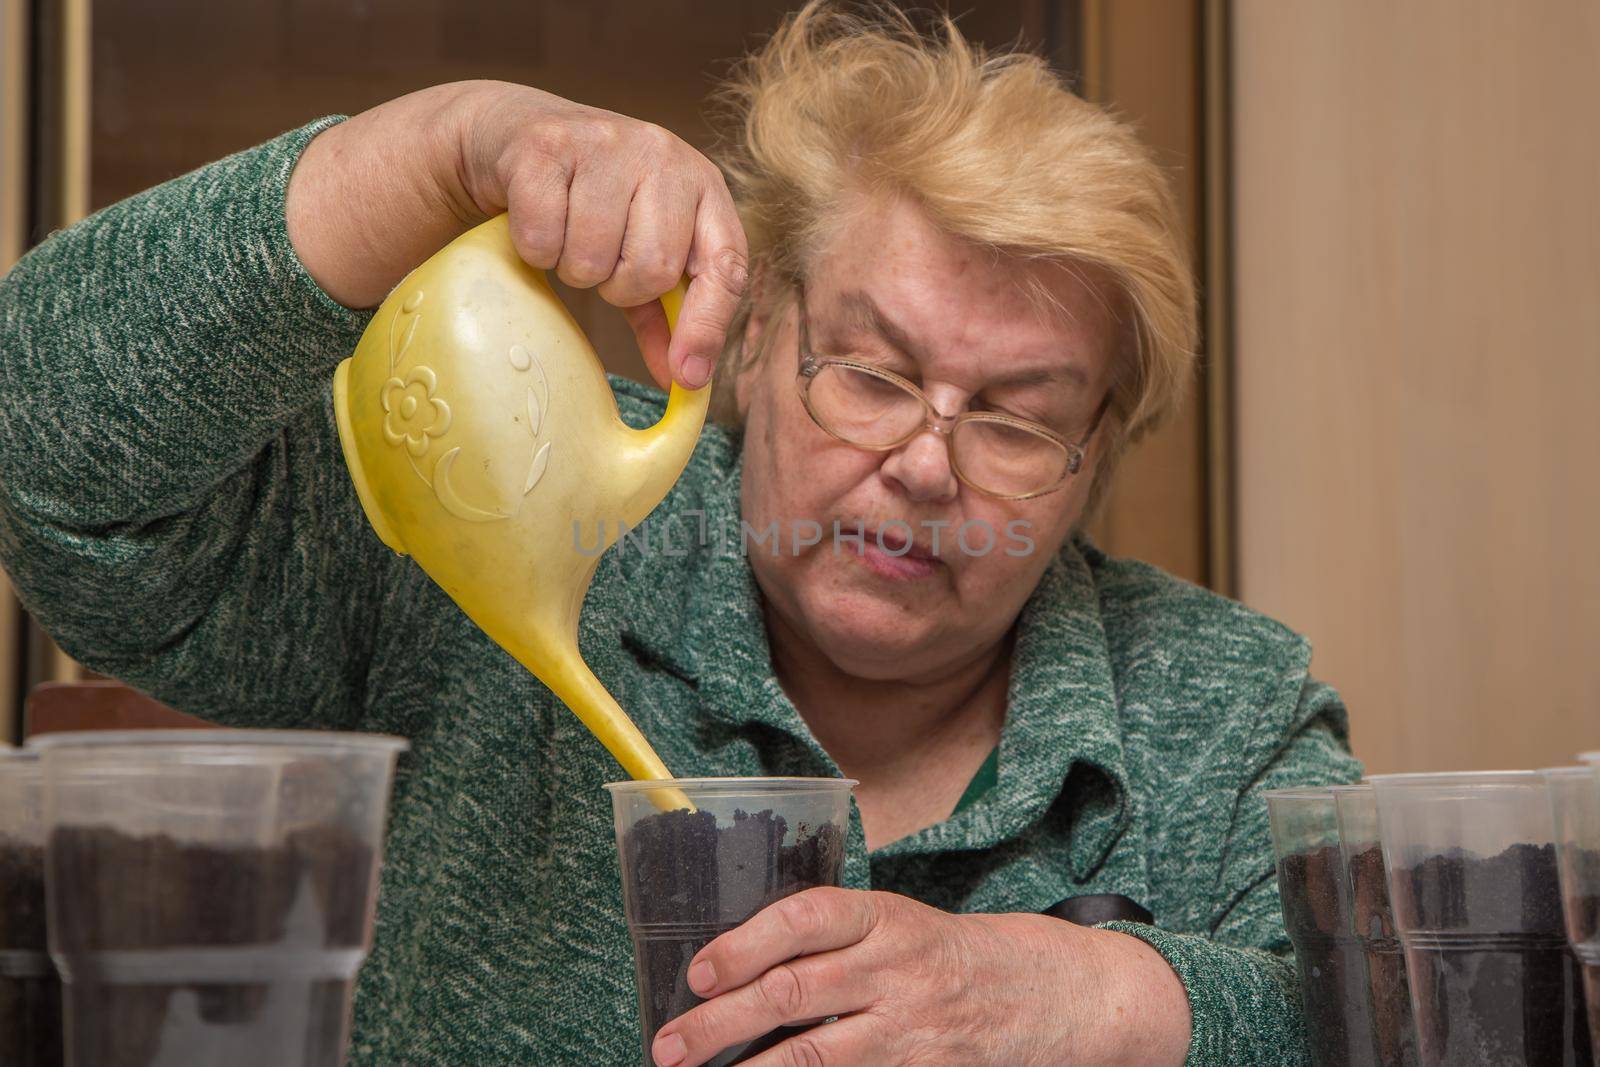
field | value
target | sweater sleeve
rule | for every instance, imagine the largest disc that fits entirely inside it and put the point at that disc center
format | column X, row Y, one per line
column 173, row 502
column 1244, row 995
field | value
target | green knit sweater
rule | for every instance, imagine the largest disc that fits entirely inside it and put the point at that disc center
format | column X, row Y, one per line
column 175, row 511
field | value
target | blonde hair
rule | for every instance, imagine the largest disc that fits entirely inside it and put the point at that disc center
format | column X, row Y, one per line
column 993, row 147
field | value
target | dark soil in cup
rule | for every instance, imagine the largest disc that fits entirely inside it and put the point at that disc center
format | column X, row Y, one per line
column 690, row 881
column 30, row 995
column 1333, row 977
column 155, row 930
column 1514, row 997
column 1389, row 991
column 1585, row 919
column 1591, row 989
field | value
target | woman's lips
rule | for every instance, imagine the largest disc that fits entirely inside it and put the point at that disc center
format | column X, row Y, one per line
column 893, row 560
column 898, row 567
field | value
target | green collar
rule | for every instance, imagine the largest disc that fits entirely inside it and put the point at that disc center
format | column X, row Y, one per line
column 983, row 780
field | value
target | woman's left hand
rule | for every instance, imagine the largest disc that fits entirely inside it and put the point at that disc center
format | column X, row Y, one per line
column 912, row 984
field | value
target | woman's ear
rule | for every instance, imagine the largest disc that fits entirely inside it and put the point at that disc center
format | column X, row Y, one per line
column 755, row 326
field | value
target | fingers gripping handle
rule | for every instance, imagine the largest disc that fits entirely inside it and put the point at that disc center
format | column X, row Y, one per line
column 686, row 408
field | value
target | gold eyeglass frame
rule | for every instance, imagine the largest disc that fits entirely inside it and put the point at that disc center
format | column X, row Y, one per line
column 933, row 418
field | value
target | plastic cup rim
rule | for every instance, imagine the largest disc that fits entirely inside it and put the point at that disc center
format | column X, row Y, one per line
column 1423, row 778
column 756, row 784
column 1573, row 769
column 1300, row 792
column 216, row 739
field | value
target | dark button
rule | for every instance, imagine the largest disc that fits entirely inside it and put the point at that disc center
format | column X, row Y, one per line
column 1093, row 908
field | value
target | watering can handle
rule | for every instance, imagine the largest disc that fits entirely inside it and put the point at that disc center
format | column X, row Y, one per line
column 683, row 405
column 672, row 302
column 686, row 408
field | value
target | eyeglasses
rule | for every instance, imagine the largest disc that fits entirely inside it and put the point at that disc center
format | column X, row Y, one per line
column 875, row 409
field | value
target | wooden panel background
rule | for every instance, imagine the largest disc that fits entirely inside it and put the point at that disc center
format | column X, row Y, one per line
column 1418, row 361
column 181, row 82
column 1142, row 58
column 14, row 111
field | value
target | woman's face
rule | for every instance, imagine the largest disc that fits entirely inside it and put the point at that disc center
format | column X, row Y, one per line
column 955, row 319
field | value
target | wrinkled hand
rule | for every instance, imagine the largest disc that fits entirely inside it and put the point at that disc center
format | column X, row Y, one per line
column 912, row 984
column 602, row 199
column 611, row 202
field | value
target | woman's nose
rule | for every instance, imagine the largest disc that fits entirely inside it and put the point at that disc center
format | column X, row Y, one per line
column 922, row 467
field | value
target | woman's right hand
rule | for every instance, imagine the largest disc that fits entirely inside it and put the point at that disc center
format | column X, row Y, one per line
column 601, row 199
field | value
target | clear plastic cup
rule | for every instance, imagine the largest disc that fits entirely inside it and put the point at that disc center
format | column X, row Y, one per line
column 1315, row 892
column 1575, row 805
column 212, row 891
column 30, row 993
column 1472, row 876
column 688, row 876
column 1389, row 993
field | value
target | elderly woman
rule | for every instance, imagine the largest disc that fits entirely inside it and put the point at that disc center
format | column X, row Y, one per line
column 966, row 296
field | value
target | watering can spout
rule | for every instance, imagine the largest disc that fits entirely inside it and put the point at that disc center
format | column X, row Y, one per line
column 480, row 431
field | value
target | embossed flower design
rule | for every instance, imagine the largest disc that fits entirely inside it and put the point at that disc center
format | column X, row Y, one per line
column 413, row 413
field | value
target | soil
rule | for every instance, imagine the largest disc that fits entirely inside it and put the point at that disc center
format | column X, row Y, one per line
column 689, row 881
column 162, row 908
column 1591, row 989
column 1333, row 978
column 1393, row 1026
column 30, row 994
column 1517, row 998
column 1586, row 928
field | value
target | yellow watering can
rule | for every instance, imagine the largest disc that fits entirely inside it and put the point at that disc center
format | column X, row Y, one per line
column 479, row 427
